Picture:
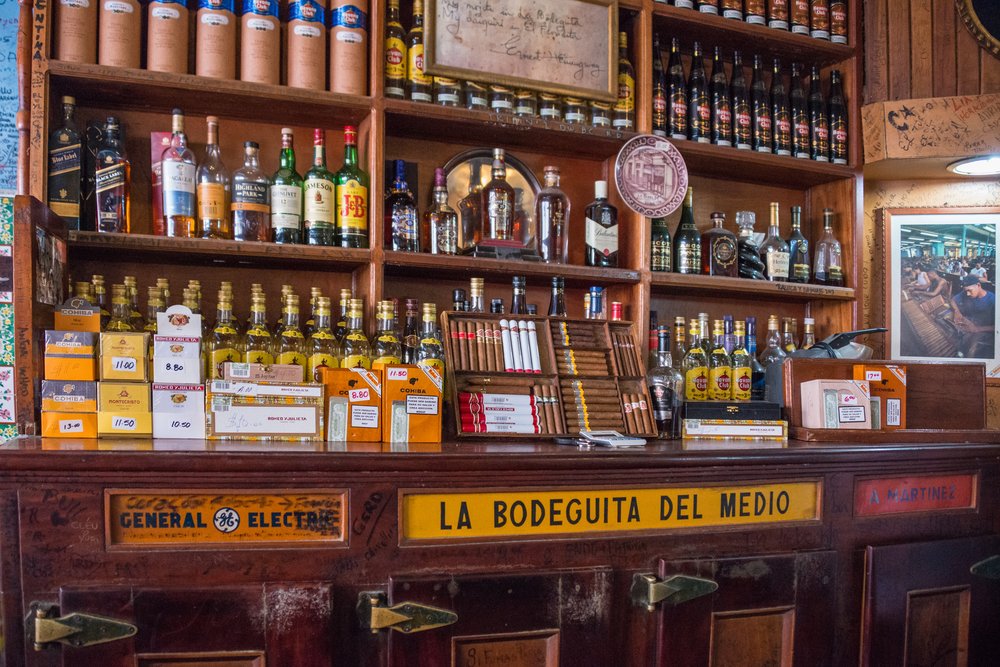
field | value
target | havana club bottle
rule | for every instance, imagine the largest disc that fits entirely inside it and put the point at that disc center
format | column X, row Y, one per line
column 760, row 109
column 699, row 106
column 800, row 115
column 722, row 113
column 624, row 113
column 740, row 98
column 819, row 121
column 677, row 94
column 781, row 117
column 837, row 120
column 418, row 85
column 395, row 54
column 659, row 91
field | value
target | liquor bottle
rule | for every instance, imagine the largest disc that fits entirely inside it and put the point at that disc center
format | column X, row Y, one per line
column 340, row 331
column 75, row 32
column 651, row 358
column 595, row 304
column 214, row 187
column 440, row 231
column 525, row 103
column 310, row 326
column 395, row 54
column 112, row 183
column 720, row 367
column 349, row 47
column 256, row 290
column 666, row 389
column 799, row 16
column 119, row 34
column 498, row 201
column 687, row 242
column 154, row 306
column 699, row 108
column 501, row 99
column 800, row 115
column 772, row 345
column 290, row 344
column 742, row 381
column 286, row 291
column 838, row 21
column 602, row 229
column 523, row 231
column 318, row 196
column 101, row 296
column 678, row 346
column 549, row 106
column 133, row 296
column 518, row 301
column 476, row 96
column 121, row 311
column 260, row 42
column 732, row 9
column 411, row 332
column 387, row 348
column 470, row 210
column 756, row 369
column 257, row 342
column 660, row 259
column 356, row 349
column 809, row 336
column 718, row 249
column 740, row 98
column 401, row 231
column 659, row 91
column 781, row 117
column 624, row 115
column 351, row 185
column 476, row 287
column 760, row 109
column 798, row 250
column 418, row 84
column 722, row 111
column 223, row 345
column 754, row 11
column 818, row 120
column 552, row 208
column 789, row 337
column 749, row 256
column 820, row 19
column 65, row 155
column 306, row 44
column 695, row 368
column 777, row 14
column 447, row 92
column 322, row 350
column 286, row 195
column 827, row 259
column 677, row 94
column 774, row 250
column 704, row 334
column 251, row 202
column 708, row 6
column 837, row 120
column 431, row 351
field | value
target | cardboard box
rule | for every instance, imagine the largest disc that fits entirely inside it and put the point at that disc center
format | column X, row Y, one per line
column 123, row 356
column 841, row 404
column 69, row 425
column 887, row 383
column 264, row 411
column 262, row 372
column 411, row 403
column 179, row 411
column 123, row 397
column 78, row 315
column 71, row 343
column 353, row 404
column 177, row 360
column 63, row 396
column 178, row 320
column 124, row 425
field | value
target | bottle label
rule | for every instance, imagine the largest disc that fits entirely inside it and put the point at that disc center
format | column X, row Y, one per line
column 292, row 358
column 501, row 103
column 447, row 97
column 318, row 362
column 626, row 93
column 382, row 362
column 349, row 16
column 415, row 66
column 720, row 383
column 116, row 7
column 110, row 178
column 211, row 201
column 286, row 206
column 436, row 363
column 663, row 401
column 835, row 273
column 800, row 272
column 250, row 196
column 689, row 257
column 404, row 226
column 661, row 254
column 696, row 383
column 220, row 356
column 686, row 4
column 318, row 195
column 357, row 361
column 261, row 8
column 549, row 112
column 259, row 357
column 602, row 239
column 164, row 13
column 395, row 58
column 309, row 11
column 742, row 382
column 723, row 252
column 777, row 264
column 352, row 213
column 75, row 4
column 65, row 159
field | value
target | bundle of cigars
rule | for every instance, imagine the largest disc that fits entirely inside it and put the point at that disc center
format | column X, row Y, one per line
column 544, row 377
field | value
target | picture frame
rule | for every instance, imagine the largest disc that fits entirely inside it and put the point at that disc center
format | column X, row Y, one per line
column 938, row 298
column 982, row 18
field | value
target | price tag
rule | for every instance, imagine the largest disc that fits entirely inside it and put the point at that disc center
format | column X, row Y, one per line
column 356, row 395
column 364, row 416
column 873, row 376
column 185, row 425
column 124, row 364
column 71, row 426
column 237, row 370
column 849, row 399
column 397, row 373
column 123, row 423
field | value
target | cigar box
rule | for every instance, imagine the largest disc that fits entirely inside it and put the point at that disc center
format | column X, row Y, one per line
column 354, row 404
column 177, row 360
column 262, row 372
column 123, row 356
column 887, row 383
column 732, row 410
column 63, row 396
column 69, row 355
column 69, row 424
column 264, row 411
column 124, row 425
column 179, row 411
column 178, row 320
column 839, row 404
column 78, row 315
column 120, row 397
column 412, row 404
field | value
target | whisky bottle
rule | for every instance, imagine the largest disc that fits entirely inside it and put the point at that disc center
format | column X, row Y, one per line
column 340, row 331
column 552, row 208
column 800, row 115
column 820, row 19
column 322, row 349
column 624, row 114
column 722, row 113
column 440, row 230
column 760, row 109
column 749, row 256
column 660, row 259
column 798, row 250
column 411, row 332
column 818, row 120
column 286, row 195
column 401, row 230
column 418, row 85
column 718, row 249
column 695, row 368
column 257, row 343
column 223, row 344
column 837, row 120
column 318, row 195
column 777, row 14
column 290, row 345
column 838, row 21
column 557, row 302
column 827, row 259
column 351, row 185
column 687, row 242
column 121, row 311
column 677, row 94
column 720, row 367
column 666, row 388
column 430, row 352
column 214, row 187
column 387, row 348
column 772, row 348
column 112, row 182
column 774, row 250
column 251, row 202
column 678, row 346
column 781, row 117
column 395, row 54
column 65, row 155
column 799, row 17
column 498, row 202
column 518, row 301
column 447, row 92
column 699, row 109
column 740, row 98
column 525, row 103
column 659, row 91
column 524, row 229
column 470, row 210
column 356, row 350
column 601, row 235
column 742, row 381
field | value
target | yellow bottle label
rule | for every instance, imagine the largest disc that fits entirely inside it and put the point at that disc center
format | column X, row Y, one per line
column 292, row 358
column 212, row 201
column 317, row 363
column 225, row 330
column 436, row 363
column 259, row 357
column 626, row 93
column 357, row 337
column 696, row 384
column 382, row 362
column 742, row 380
column 395, row 58
column 322, row 335
column 218, row 357
column 430, row 341
column 388, row 339
column 352, row 207
column 291, row 333
column 357, row 361
column 415, row 65
column 720, row 383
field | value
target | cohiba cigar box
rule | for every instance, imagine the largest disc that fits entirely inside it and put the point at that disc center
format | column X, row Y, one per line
column 264, row 411
column 179, row 411
column 411, row 402
column 261, row 372
column 354, row 404
column 69, row 355
column 887, row 383
column 69, row 424
column 840, row 404
column 738, row 410
column 123, row 356
column 63, row 396
column 78, row 315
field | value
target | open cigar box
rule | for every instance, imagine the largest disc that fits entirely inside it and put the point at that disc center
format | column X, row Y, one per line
column 527, row 376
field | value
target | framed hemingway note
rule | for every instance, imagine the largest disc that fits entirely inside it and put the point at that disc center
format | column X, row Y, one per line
column 559, row 46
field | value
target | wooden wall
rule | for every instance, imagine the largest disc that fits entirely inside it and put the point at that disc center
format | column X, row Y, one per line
column 921, row 48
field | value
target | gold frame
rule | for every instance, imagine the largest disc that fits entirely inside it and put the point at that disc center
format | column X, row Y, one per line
column 611, row 95
column 985, row 38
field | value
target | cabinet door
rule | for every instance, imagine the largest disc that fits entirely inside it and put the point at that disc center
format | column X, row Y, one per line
column 923, row 606
column 769, row 610
column 520, row 620
column 275, row 625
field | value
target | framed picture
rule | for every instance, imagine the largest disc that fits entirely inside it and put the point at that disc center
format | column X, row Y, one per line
column 982, row 18
column 939, row 268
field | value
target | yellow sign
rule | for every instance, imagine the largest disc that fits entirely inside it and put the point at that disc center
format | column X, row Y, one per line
column 506, row 513
column 151, row 518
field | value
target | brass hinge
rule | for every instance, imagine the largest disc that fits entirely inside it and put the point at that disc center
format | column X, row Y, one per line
column 647, row 590
column 405, row 617
column 987, row 569
column 77, row 630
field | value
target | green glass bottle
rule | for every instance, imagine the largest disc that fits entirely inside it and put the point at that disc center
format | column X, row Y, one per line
column 286, row 195
column 352, row 195
column 318, row 195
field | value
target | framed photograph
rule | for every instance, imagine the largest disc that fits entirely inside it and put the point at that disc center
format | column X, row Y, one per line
column 939, row 268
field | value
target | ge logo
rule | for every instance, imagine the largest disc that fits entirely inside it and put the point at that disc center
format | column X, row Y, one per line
column 226, row 520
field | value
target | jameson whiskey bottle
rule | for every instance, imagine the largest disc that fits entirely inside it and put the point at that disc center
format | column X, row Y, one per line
column 395, row 54
column 722, row 114
column 740, row 98
column 798, row 250
column 418, row 85
column 718, row 249
column 286, row 195
column 257, row 343
column 290, row 346
column 356, row 350
column 677, row 98
column 112, row 182
column 695, row 368
column 819, row 124
column 774, row 251
column 352, row 195
column 602, row 229
column 837, row 120
column 318, row 195
column 624, row 113
column 660, row 259
column 687, row 242
column 65, row 153
column 760, row 109
column 498, row 201
column 214, row 187
column 720, row 367
column 827, row 258
column 780, row 112
column 659, row 91
column 699, row 109
column 800, row 115
column 224, row 341
column 321, row 347
column 387, row 349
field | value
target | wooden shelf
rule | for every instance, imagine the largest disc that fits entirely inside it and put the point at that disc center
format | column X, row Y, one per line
column 733, row 164
column 717, row 286
column 159, row 92
column 425, row 265
column 208, row 252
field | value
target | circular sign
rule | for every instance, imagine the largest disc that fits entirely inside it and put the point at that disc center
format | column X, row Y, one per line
column 226, row 520
column 651, row 176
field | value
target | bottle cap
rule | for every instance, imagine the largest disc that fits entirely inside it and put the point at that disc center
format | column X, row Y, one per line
column 350, row 135
column 458, row 295
column 319, row 137
column 440, row 181
column 558, row 282
column 532, row 309
column 287, row 130
column 601, row 189
column 679, row 320
column 68, row 100
column 498, row 153
column 251, row 144
column 595, row 290
column 520, row 281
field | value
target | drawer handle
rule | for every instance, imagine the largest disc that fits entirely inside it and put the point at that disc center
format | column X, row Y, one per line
column 987, row 569
column 648, row 591
column 405, row 617
column 77, row 630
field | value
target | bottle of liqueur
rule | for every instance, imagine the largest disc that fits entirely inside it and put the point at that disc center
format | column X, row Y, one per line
column 809, row 336
column 678, row 346
column 557, row 303
column 677, row 94
column 351, row 185
column 722, row 112
column 498, row 201
column 551, row 215
column 666, row 389
column 749, row 257
column 318, row 195
column 837, row 120
column 742, row 381
column 781, row 117
column 286, row 195
column 418, row 85
column 395, row 54
column 820, row 19
column 754, row 11
column 440, row 231
column 215, row 37
column 257, row 343
column 525, row 104
column 401, row 230
column 800, row 115
column 386, row 346
column 695, row 368
column 290, row 344
column 470, row 210
column 732, row 9
column 772, row 345
column 659, row 91
column 518, row 301
column 501, row 99
column 321, row 347
column 760, row 109
column 112, row 182
column 789, row 336
column 251, row 203
column 340, row 331
column 121, row 312
column 818, row 120
column 827, row 259
column 774, row 250
column 214, row 186
column 838, row 21
column 476, row 96
column 660, row 259
column 356, row 349
column 739, row 95
column 720, row 367
column 777, row 14
column 310, row 326
column 719, row 250
column 549, row 106
column 411, row 332
column 154, row 305
column 65, row 155
column 708, row 6
column 687, row 242
column 133, row 297
column 101, row 296
column 260, row 42
column 120, row 29
column 799, row 15
column 602, row 229
column 224, row 342
column 756, row 369
column 447, row 92
column 306, row 44
column 699, row 108
column 624, row 114
column 431, row 351
column 349, row 47
column 798, row 250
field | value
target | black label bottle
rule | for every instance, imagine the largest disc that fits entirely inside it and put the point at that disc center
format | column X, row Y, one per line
column 819, row 124
column 602, row 229
column 780, row 113
column 760, row 106
column 687, row 242
column 659, row 91
column 112, row 182
column 800, row 115
column 837, row 120
column 677, row 98
column 722, row 113
column 699, row 108
column 798, row 250
column 740, row 99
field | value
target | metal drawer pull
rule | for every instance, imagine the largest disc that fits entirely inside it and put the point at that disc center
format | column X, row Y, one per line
column 987, row 569
column 647, row 590
column 78, row 630
column 405, row 617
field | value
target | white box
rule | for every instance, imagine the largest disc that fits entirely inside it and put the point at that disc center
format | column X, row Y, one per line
column 176, row 347
column 179, row 411
column 177, row 359
column 178, row 321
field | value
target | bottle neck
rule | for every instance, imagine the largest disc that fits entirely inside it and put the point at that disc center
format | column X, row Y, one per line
column 290, row 318
column 258, row 316
column 429, row 327
column 252, row 159
column 350, row 153
column 354, row 321
column 224, row 315
column 287, row 159
column 476, row 304
column 384, row 324
column 322, row 320
column 394, row 13
column 68, row 110
column 121, row 310
column 319, row 156
column 213, row 136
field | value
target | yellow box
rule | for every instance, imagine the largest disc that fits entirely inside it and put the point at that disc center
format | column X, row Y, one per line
column 62, row 396
column 887, row 383
column 353, row 404
column 123, row 356
column 72, row 368
column 411, row 404
column 69, row 425
column 124, row 425
column 123, row 397
column 78, row 315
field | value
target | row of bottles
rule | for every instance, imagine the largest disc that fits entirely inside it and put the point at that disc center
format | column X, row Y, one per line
column 721, row 110
column 820, row 19
column 302, row 25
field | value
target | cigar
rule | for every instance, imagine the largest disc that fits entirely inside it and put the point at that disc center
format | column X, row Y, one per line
column 491, row 364
column 582, row 354
column 456, row 352
column 563, row 370
column 592, row 403
column 629, row 416
column 589, row 392
column 594, row 416
column 485, row 389
column 461, row 344
column 542, row 417
column 480, row 346
column 557, row 412
column 589, row 384
column 469, row 345
column 497, row 346
column 495, row 380
column 647, row 419
column 627, row 367
column 584, row 365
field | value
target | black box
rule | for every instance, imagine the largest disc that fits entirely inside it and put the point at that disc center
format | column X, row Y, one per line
column 735, row 410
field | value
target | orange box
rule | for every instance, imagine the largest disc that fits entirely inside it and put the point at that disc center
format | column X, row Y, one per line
column 62, row 396
column 411, row 404
column 71, row 343
column 887, row 383
column 353, row 404
column 69, row 425
column 78, row 314
column 70, row 367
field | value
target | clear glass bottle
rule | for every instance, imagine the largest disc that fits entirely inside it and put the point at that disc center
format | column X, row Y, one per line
column 827, row 260
column 470, row 210
column 179, row 173
column 774, row 250
column 687, row 242
column 387, row 348
column 798, row 250
column 498, row 202
column 440, row 230
column 340, row 331
column 223, row 345
column 624, row 113
column 447, row 92
column 411, row 332
column 659, row 91
column 601, row 234
column 699, row 106
column 257, row 342
column 65, row 162
column 600, row 114
column 290, row 344
column 154, row 305
column 772, row 345
column 751, row 267
column 251, row 207
column 476, row 288
column 112, row 183
column 431, row 351
column 418, row 84
column 286, row 195
column 322, row 349
column 351, row 190
column 695, row 368
column 720, row 366
column 395, row 54
column 742, row 368
column 279, row 326
column 549, row 106
column 402, row 231
column 214, row 186
column 575, row 111
column 138, row 323
column 557, row 302
column 121, row 310
column 552, row 208
column 476, row 96
column 310, row 325
column 718, row 249
column 356, row 351
column 101, row 296
column 666, row 389
column 501, row 99
column 789, row 336
column 756, row 369
column 525, row 104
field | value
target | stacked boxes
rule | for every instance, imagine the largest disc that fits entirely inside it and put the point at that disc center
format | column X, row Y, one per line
column 264, row 411
column 69, row 355
column 411, row 404
column 69, row 409
column 179, row 411
column 353, row 404
column 842, row 404
column 124, row 407
column 178, row 392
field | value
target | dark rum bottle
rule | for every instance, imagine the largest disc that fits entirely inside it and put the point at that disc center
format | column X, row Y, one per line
column 718, row 249
column 798, row 250
column 837, row 120
column 659, row 91
column 740, row 98
column 624, row 113
column 819, row 122
column 699, row 107
column 777, row 14
column 799, row 16
column 602, row 229
column 418, row 85
column 677, row 99
column 781, row 118
column 395, row 54
column 687, row 242
column 820, row 19
column 800, row 115
column 760, row 109
column 722, row 113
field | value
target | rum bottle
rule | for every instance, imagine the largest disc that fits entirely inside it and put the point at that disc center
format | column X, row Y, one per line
column 687, row 242
column 113, row 175
column 356, row 351
column 340, row 331
column 660, row 259
column 251, row 203
column 290, row 346
column 431, row 351
column 718, row 249
column 602, row 229
column 411, row 332
column 121, row 311
column 624, row 114
column 322, row 349
column 774, row 251
column 659, row 91
column 777, row 14
column 418, row 84
column 666, row 389
column 699, row 108
column 722, row 113
column 351, row 189
column 387, row 349
column 223, row 344
column 470, row 210
column 837, row 120
column 820, row 19
column 695, row 368
column 838, row 21
column 732, row 9
column 789, row 336
column 286, row 195
column 395, row 54
column 678, row 346
column 133, row 296
column 819, row 124
column 799, row 15
column 213, row 185
column 257, row 343
column 708, row 6
column 780, row 113
column 742, row 377
column 557, row 303
column 754, row 11
column 65, row 155
column 677, row 94
column 440, row 231
column 760, row 109
column 498, row 202
column 401, row 230
column 798, row 250
column 720, row 367
column 552, row 214
column 800, row 115
column 827, row 259
column 740, row 98
column 319, row 196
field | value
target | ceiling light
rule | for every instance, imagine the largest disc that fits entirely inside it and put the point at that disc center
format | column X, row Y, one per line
column 986, row 165
column 929, row 234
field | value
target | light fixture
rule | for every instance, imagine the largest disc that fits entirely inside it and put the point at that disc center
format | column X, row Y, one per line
column 986, row 165
column 929, row 234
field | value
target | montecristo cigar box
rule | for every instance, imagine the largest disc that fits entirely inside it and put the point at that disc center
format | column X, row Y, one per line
column 264, row 411
column 354, row 404
column 123, row 355
column 887, row 384
column 124, row 410
column 411, row 400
